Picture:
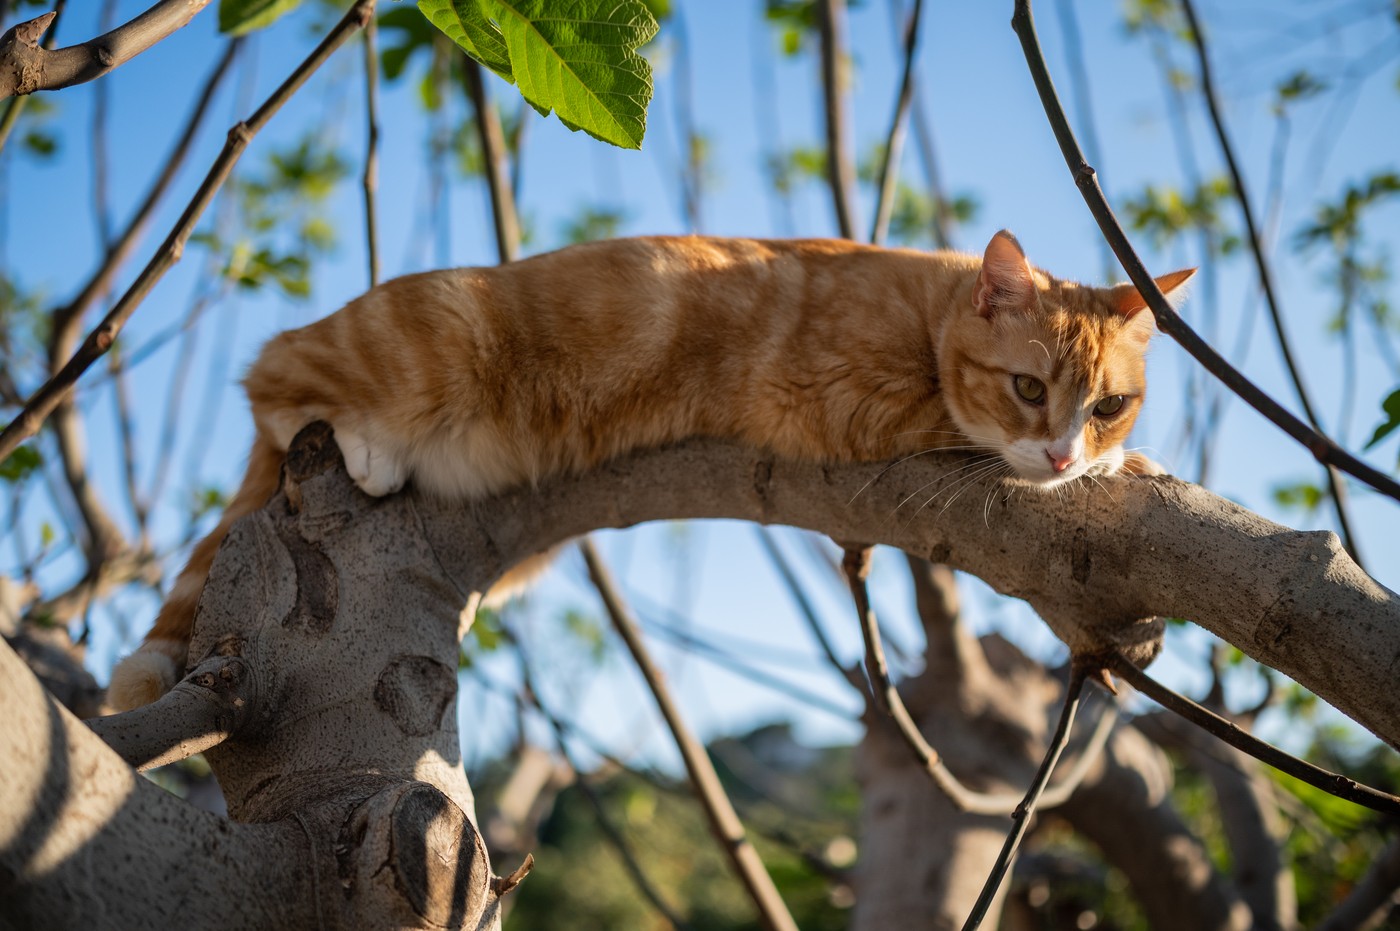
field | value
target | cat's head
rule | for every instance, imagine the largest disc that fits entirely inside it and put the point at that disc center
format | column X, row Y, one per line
column 1046, row 373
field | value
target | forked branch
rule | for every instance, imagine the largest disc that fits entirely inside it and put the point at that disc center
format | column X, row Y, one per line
column 25, row 67
column 856, row 566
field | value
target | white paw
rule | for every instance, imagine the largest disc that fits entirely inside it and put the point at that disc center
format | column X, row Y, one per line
column 375, row 470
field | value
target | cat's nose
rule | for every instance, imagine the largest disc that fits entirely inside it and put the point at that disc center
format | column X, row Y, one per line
column 1060, row 463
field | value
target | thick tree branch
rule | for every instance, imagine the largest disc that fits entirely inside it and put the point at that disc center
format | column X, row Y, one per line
column 1093, row 565
column 26, row 68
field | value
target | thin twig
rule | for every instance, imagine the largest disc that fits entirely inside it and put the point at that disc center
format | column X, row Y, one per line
column 610, row 831
column 67, row 317
column 856, row 566
column 101, row 202
column 923, row 141
column 840, row 171
column 1333, row 783
column 1168, row 320
column 692, row 165
column 899, row 126
column 100, row 340
column 1023, row 813
column 26, row 68
column 1083, row 104
column 370, row 180
column 497, row 164
column 1335, row 482
column 724, row 822
column 121, row 398
column 806, row 609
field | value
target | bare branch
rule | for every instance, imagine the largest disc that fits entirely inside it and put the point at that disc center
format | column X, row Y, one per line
column 856, row 566
column 807, row 610
column 840, row 171
column 899, row 125
column 725, row 823
column 1168, row 320
column 1335, row 483
column 1023, row 813
column 1336, row 784
column 370, row 180
column 100, row 339
column 67, row 317
column 29, row 32
column 26, row 68
column 201, row 712
column 496, row 159
column 610, row 831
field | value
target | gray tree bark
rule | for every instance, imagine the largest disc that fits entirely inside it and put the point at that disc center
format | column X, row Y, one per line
column 324, row 683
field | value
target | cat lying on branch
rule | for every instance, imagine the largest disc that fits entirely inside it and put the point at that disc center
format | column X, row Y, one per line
column 470, row 381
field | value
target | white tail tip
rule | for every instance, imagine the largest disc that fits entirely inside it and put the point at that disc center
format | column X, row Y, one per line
column 141, row 678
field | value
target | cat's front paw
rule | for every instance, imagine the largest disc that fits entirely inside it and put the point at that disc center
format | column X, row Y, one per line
column 377, row 472
column 1138, row 464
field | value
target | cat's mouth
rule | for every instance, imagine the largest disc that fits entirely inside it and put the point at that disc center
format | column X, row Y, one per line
column 1031, row 466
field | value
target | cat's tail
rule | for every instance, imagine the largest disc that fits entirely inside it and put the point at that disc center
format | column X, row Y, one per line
column 520, row 576
column 159, row 662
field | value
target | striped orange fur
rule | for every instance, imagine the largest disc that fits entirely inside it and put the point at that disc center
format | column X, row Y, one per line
column 471, row 380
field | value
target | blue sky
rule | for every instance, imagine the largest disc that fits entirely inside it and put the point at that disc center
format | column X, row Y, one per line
column 993, row 143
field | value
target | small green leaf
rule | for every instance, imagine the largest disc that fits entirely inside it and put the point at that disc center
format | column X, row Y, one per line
column 240, row 17
column 1303, row 495
column 20, row 463
column 578, row 58
column 464, row 22
column 1391, row 407
column 46, row 535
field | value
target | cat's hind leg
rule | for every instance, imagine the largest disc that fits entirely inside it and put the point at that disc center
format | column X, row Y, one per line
column 374, row 467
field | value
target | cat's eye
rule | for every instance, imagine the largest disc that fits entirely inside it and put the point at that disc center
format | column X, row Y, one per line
column 1030, row 389
column 1109, row 406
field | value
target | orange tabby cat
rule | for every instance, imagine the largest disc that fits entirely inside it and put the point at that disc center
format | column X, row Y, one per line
column 472, row 380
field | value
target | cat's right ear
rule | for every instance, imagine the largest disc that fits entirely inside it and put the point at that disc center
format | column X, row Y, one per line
column 1005, row 282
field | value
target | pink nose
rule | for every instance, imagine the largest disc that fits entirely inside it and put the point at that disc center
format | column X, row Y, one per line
column 1060, row 463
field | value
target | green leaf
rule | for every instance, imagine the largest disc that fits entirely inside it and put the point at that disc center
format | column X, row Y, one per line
column 578, row 58
column 1303, row 495
column 240, row 17
column 20, row 463
column 463, row 22
column 1391, row 407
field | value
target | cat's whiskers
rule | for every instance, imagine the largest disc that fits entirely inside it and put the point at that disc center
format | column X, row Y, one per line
column 966, row 482
column 976, row 462
column 922, row 452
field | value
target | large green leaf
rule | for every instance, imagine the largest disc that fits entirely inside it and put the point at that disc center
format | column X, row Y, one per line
column 578, row 58
column 238, row 17
column 464, row 23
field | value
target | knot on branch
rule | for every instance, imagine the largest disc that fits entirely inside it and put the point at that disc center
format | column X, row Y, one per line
column 410, row 844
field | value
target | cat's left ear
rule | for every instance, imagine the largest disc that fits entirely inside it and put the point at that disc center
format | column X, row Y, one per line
column 1128, row 302
column 1005, row 282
